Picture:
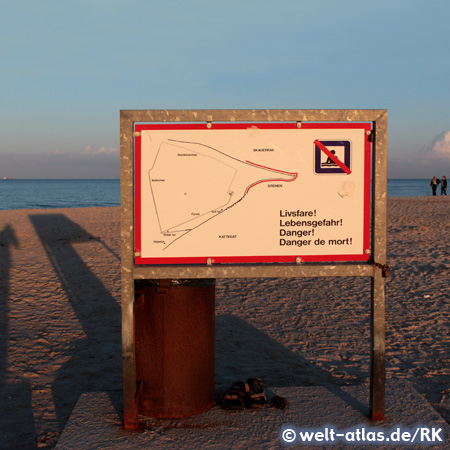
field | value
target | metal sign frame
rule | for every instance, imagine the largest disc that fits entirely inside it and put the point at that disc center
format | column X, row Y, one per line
column 374, row 268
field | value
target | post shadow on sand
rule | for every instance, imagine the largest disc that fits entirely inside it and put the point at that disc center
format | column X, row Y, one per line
column 15, row 396
column 239, row 346
column 96, row 309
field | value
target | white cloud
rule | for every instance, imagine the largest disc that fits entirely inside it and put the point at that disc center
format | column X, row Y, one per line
column 100, row 151
column 432, row 159
column 440, row 148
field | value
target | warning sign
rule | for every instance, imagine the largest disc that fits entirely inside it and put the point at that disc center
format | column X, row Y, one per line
column 332, row 157
column 255, row 193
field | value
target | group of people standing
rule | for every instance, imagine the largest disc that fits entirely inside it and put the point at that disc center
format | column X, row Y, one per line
column 435, row 182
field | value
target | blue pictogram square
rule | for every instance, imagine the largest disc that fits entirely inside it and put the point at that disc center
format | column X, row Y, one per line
column 324, row 164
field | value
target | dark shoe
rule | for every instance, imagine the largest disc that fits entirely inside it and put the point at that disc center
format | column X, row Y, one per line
column 255, row 398
column 279, row 402
column 233, row 399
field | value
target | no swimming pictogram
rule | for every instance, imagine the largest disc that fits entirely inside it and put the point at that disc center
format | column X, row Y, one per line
column 332, row 157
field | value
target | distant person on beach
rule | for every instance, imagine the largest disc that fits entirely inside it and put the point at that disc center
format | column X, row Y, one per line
column 434, row 184
column 444, row 185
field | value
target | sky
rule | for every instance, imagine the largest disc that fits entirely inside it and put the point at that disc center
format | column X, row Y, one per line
column 69, row 67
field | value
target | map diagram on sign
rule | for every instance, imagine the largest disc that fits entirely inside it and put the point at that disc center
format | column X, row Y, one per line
column 191, row 183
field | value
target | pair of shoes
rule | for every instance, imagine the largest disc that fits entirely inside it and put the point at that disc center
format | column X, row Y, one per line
column 245, row 395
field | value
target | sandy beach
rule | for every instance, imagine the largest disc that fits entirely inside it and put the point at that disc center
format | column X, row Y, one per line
column 60, row 317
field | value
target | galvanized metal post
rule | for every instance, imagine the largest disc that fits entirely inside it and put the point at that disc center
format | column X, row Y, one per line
column 127, row 258
column 379, row 201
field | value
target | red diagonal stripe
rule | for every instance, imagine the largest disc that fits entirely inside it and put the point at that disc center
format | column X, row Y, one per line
column 333, row 157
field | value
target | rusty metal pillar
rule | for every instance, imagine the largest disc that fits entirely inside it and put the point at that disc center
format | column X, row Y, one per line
column 174, row 342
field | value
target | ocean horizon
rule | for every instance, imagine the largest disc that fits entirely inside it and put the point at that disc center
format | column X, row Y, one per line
column 83, row 193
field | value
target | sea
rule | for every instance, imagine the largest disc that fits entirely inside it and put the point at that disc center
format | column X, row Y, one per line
column 48, row 194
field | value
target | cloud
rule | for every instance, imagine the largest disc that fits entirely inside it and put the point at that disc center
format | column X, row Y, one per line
column 88, row 150
column 440, row 148
column 430, row 160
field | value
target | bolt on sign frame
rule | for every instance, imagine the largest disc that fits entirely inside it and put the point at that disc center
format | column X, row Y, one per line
column 170, row 159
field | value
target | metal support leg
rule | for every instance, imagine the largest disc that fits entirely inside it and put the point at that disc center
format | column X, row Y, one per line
column 377, row 376
column 130, row 405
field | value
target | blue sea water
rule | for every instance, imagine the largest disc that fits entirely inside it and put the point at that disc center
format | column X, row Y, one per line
column 36, row 194
column 409, row 188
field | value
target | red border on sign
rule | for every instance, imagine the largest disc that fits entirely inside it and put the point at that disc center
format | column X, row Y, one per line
column 250, row 259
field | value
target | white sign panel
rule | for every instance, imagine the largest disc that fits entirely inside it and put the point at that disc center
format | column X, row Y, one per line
column 252, row 193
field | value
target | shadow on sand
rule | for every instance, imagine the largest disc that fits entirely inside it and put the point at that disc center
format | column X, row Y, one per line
column 94, row 363
column 240, row 346
column 16, row 409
